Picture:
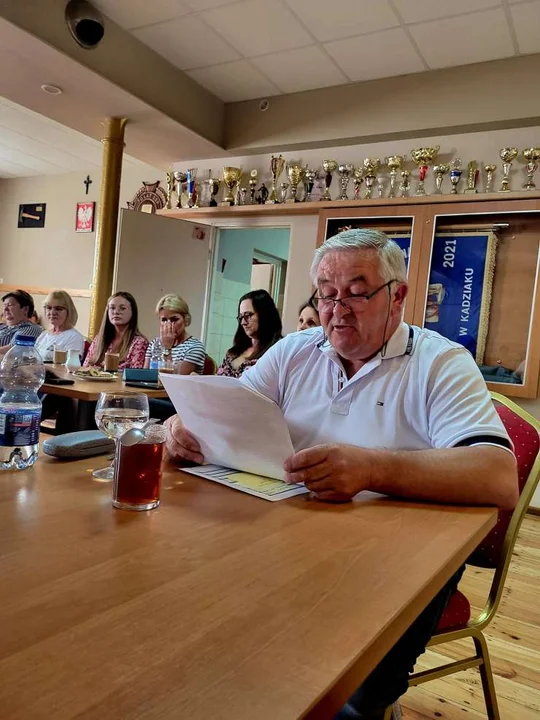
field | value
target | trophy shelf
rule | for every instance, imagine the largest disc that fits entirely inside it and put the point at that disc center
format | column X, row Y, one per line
column 314, row 208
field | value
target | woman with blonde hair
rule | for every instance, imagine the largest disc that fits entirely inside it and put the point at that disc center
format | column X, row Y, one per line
column 119, row 333
column 62, row 317
column 177, row 347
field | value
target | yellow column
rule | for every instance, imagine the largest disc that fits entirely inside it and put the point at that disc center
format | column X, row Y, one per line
column 107, row 220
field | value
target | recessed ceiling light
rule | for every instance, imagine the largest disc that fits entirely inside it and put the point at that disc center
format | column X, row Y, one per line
column 52, row 89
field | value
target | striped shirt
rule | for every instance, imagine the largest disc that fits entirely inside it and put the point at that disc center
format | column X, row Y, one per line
column 8, row 332
column 191, row 350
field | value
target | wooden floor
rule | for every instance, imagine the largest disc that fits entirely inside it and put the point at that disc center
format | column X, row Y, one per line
column 514, row 643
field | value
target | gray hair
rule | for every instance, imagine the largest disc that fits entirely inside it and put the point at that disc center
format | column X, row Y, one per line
column 390, row 254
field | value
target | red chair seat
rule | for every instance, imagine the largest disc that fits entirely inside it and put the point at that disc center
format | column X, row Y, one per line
column 456, row 615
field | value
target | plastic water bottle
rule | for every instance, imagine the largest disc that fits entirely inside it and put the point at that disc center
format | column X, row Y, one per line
column 156, row 358
column 21, row 375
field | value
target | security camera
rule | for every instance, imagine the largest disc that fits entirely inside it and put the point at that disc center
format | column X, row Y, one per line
column 85, row 23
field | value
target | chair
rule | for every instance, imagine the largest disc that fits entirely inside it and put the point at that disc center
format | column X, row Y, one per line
column 210, row 366
column 494, row 552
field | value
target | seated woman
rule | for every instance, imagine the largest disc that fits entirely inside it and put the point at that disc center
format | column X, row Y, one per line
column 259, row 327
column 308, row 317
column 180, row 350
column 119, row 333
column 62, row 317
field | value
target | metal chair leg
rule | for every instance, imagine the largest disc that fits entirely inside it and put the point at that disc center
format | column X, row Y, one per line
column 486, row 674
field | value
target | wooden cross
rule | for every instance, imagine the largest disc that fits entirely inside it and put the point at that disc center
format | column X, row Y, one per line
column 87, row 182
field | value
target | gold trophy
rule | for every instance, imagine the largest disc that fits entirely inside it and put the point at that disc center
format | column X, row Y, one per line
column 358, row 180
column 170, row 187
column 295, row 174
column 231, row 176
column 253, row 175
column 490, row 169
column 345, row 172
column 180, row 178
column 283, row 195
column 507, row 155
column 472, row 177
column 329, row 166
column 394, row 163
column 440, row 171
column 531, row 155
column 309, row 181
column 371, row 165
column 405, row 185
column 455, row 174
column 277, row 164
column 423, row 157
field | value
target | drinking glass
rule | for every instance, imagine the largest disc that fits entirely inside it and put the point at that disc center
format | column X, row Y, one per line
column 117, row 412
column 137, row 477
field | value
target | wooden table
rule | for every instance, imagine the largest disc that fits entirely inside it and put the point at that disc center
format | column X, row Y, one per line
column 215, row 605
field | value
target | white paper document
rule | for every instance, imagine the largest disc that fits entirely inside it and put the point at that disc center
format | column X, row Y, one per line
column 236, row 427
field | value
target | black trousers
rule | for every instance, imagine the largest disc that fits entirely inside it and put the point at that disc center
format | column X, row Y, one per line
column 390, row 679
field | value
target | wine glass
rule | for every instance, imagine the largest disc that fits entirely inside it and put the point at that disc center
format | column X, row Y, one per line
column 117, row 412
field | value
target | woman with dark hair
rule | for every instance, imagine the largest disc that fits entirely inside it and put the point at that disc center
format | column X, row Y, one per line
column 308, row 317
column 119, row 333
column 259, row 327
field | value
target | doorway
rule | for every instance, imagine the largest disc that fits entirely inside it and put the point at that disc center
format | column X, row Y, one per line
column 245, row 259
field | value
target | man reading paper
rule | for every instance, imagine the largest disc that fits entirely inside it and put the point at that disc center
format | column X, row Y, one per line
column 375, row 404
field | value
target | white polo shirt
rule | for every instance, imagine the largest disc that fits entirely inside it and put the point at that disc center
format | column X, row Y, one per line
column 427, row 393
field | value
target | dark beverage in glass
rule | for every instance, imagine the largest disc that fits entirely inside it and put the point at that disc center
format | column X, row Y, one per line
column 137, row 477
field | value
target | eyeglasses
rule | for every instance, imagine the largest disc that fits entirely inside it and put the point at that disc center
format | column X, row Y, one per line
column 58, row 308
column 245, row 317
column 350, row 302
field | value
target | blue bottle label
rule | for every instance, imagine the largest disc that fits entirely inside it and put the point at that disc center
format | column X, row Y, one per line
column 154, row 364
column 19, row 427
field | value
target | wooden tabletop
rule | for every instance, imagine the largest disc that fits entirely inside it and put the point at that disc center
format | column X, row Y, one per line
column 90, row 390
column 216, row 605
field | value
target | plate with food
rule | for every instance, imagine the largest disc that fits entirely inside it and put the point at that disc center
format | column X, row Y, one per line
column 93, row 373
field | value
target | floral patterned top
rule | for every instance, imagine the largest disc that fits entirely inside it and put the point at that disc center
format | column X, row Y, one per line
column 133, row 359
column 226, row 368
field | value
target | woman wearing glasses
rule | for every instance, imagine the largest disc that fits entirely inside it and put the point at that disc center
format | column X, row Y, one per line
column 259, row 327
column 62, row 317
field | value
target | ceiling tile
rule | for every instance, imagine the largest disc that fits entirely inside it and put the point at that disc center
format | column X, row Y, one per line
column 300, row 69
column 344, row 18
column 187, row 42
column 136, row 13
column 473, row 38
column 526, row 19
column 364, row 58
column 257, row 27
column 421, row 10
column 234, row 81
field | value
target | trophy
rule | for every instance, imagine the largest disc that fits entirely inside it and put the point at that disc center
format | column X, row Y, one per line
column 440, row 171
column 283, row 195
column 455, row 174
column 490, row 169
column 472, row 177
column 170, row 186
column 507, row 155
column 381, row 184
column 295, row 174
column 191, row 176
column 423, row 157
column 371, row 165
column 180, row 179
column 213, row 185
column 309, row 181
column 394, row 163
column 252, row 185
column 241, row 196
column 358, row 180
column 328, row 166
column 405, row 184
column 276, row 168
column 262, row 195
column 531, row 155
column 231, row 176
column 345, row 172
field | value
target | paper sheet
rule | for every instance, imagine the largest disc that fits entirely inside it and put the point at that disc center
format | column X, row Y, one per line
column 261, row 487
column 236, row 427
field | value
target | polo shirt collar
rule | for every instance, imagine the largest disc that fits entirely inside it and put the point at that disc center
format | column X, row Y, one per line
column 396, row 346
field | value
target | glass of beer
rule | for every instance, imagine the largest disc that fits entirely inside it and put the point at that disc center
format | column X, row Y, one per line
column 137, row 478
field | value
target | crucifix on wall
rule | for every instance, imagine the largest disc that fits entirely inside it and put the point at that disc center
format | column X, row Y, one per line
column 87, row 183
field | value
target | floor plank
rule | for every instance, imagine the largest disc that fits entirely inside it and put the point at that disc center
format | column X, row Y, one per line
column 514, row 643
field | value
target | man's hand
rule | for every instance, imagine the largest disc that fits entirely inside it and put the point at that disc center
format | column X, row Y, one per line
column 181, row 445
column 333, row 472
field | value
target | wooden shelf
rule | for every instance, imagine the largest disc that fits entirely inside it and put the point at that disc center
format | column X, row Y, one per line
column 314, row 208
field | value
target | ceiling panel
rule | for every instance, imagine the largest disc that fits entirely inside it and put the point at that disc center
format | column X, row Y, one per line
column 235, row 81
column 526, row 20
column 300, row 69
column 477, row 38
column 365, row 59
column 135, row 13
column 258, row 27
column 344, row 18
column 413, row 11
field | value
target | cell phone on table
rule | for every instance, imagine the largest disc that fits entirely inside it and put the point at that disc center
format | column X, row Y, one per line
column 58, row 381
column 143, row 384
